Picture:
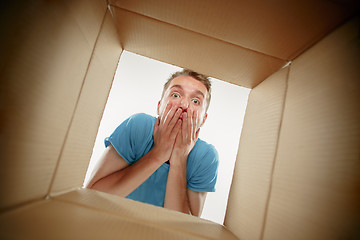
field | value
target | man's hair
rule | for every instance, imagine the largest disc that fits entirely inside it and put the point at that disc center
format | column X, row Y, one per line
column 200, row 77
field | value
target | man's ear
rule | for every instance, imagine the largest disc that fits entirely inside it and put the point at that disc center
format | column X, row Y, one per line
column 204, row 119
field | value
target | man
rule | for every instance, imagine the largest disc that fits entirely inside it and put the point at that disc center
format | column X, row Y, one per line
column 161, row 161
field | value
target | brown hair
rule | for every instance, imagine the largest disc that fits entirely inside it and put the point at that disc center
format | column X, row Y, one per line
column 200, row 77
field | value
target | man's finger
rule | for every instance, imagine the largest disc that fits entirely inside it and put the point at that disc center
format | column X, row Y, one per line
column 196, row 121
column 192, row 126
column 185, row 126
column 174, row 118
column 189, row 123
column 197, row 134
column 156, row 125
column 175, row 130
column 166, row 112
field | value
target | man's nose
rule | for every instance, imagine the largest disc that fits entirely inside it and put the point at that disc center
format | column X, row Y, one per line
column 184, row 104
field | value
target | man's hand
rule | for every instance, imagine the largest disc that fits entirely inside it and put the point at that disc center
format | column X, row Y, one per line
column 186, row 138
column 116, row 176
column 176, row 195
column 165, row 131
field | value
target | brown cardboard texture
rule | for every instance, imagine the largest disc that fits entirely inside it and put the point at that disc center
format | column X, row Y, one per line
column 255, row 159
column 41, row 82
column 297, row 173
column 70, row 172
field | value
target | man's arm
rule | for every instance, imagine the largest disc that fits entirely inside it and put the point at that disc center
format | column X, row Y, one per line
column 177, row 196
column 109, row 163
column 196, row 200
column 114, row 175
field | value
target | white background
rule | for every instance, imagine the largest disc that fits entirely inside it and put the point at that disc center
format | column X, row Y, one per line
column 137, row 87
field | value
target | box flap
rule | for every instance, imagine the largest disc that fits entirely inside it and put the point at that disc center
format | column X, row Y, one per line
column 88, row 214
column 168, row 43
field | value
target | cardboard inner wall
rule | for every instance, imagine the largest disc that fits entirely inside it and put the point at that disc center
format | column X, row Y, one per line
column 289, row 27
column 182, row 47
column 316, row 181
column 297, row 171
column 253, row 169
column 75, row 157
column 51, row 47
column 313, row 188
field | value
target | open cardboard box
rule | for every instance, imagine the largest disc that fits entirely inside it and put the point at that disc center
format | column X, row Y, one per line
column 297, row 174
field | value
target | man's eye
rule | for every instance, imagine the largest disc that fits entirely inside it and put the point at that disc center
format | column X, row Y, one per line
column 197, row 102
column 175, row 95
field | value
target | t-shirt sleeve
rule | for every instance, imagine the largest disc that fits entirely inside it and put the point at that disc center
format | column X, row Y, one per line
column 131, row 137
column 205, row 175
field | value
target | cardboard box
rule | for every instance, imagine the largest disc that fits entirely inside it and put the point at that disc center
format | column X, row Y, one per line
column 297, row 174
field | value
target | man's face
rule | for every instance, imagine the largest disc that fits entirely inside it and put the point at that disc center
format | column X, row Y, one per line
column 187, row 93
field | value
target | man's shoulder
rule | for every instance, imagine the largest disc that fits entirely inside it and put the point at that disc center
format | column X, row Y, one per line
column 204, row 148
column 142, row 117
column 141, row 124
column 138, row 125
column 203, row 144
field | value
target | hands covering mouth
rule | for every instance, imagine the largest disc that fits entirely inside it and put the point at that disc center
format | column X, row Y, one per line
column 182, row 114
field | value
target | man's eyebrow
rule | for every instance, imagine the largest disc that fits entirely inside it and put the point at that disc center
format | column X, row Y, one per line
column 196, row 91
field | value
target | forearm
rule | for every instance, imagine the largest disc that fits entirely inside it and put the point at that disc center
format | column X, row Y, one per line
column 125, row 181
column 176, row 193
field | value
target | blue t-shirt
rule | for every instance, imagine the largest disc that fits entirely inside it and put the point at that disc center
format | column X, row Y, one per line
column 133, row 138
